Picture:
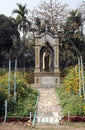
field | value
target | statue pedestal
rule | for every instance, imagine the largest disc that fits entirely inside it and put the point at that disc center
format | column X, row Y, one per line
column 47, row 79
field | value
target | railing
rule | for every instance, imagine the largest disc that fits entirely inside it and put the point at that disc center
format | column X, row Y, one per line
column 35, row 112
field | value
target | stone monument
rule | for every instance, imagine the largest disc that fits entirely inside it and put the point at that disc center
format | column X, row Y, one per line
column 46, row 60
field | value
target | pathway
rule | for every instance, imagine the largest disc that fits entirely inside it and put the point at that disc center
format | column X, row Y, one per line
column 48, row 110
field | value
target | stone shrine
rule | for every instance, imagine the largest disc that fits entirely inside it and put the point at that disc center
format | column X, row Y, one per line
column 46, row 60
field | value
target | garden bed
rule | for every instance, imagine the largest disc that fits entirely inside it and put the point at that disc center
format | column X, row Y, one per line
column 75, row 118
column 16, row 119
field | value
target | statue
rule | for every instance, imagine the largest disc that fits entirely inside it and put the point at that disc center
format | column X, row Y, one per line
column 46, row 61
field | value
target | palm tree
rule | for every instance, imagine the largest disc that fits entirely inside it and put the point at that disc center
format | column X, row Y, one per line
column 21, row 19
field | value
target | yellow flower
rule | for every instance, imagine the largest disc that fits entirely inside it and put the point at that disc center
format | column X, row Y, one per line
column 81, row 96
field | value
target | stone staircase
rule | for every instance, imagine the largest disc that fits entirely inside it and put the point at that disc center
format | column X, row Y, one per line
column 48, row 109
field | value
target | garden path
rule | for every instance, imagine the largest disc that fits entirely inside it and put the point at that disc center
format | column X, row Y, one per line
column 48, row 109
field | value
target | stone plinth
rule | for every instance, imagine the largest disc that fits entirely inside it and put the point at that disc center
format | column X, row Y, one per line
column 47, row 79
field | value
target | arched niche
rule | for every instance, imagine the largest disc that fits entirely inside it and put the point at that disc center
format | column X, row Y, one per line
column 47, row 58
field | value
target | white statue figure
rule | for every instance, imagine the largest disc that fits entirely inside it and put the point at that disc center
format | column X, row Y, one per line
column 46, row 60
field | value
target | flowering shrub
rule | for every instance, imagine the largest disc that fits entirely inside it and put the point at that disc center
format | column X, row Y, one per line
column 70, row 102
column 29, row 77
column 4, row 83
column 71, row 81
column 25, row 95
column 21, row 84
column 69, row 94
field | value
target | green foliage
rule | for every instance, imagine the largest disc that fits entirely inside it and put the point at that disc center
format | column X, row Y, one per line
column 26, row 96
column 23, row 106
column 72, row 103
column 2, row 71
column 72, row 40
column 2, row 100
column 71, row 81
column 21, row 20
column 64, row 72
column 8, row 29
column 69, row 94
column 29, row 78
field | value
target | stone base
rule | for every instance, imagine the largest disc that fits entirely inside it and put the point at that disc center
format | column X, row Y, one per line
column 47, row 79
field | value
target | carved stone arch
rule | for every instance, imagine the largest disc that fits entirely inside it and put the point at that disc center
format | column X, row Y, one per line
column 47, row 64
column 47, row 43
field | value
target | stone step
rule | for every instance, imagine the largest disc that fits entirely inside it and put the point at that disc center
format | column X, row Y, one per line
column 47, row 120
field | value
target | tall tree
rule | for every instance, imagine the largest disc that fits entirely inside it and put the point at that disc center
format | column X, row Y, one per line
column 73, row 24
column 72, row 41
column 8, row 30
column 54, row 12
column 21, row 19
column 82, row 10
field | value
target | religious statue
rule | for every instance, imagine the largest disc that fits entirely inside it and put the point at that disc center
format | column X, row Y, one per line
column 46, row 61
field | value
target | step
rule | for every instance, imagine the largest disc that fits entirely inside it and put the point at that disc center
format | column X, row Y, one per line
column 47, row 120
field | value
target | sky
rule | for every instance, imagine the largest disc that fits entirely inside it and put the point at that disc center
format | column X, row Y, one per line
column 6, row 6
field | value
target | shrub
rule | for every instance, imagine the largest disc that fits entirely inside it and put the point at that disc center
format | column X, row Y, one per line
column 2, row 71
column 2, row 101
column 69, row 94
column 29, row 77
column 23, row 106
column 70, row 102
column 25, row 95
column 71, row 81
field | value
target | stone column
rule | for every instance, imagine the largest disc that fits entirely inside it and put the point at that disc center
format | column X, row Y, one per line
column 37, row 59
column 56, row 55
column 37, row 55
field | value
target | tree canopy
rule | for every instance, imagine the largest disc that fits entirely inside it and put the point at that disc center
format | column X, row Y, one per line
column 72, row 39
column 54, row 13
column 8, row 30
